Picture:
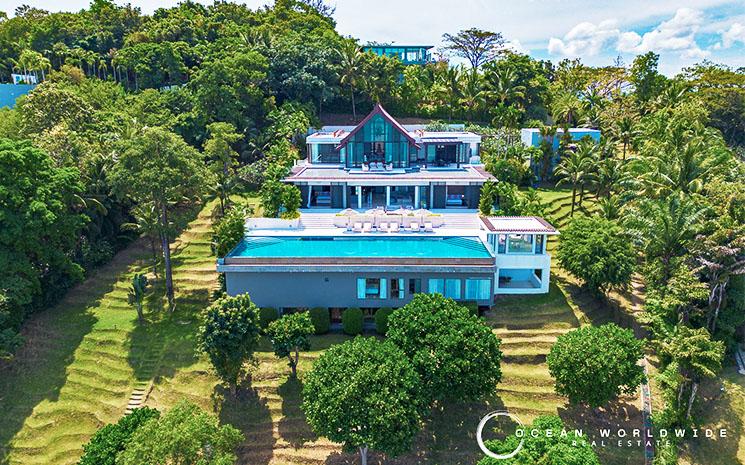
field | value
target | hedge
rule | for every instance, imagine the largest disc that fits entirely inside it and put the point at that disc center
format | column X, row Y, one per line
column 381, row 320
column 321, row 319
column 351, row 321
column 266, row 316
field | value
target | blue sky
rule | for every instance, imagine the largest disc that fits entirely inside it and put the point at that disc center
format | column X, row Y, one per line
column 682, row 32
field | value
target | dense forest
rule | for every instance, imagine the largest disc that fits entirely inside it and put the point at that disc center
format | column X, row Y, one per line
column 138, row 116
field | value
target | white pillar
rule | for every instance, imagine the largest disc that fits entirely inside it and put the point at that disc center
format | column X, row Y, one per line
column 387, row 196
column 359, row 197
column 416, row 196
column 310, row 193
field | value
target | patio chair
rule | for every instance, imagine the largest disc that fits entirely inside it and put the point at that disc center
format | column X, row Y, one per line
column 394, row 228
column 383, row 227
column 389, row 167
column 367, row 227
column 414, row 227
column 428, row 227
column 365, row 167
column 357, row 227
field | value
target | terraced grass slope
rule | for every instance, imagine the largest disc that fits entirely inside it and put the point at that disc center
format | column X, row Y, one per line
column 84, row 357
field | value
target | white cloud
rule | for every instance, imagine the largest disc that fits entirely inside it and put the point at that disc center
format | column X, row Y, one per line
column 585, row 39
column 515, row 46
column 735, row 33
column 677, row 34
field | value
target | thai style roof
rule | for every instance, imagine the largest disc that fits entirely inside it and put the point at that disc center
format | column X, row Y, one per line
column 377, row 110
column 518, row 224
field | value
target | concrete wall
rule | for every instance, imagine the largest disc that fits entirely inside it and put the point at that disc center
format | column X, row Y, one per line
column 332, row 289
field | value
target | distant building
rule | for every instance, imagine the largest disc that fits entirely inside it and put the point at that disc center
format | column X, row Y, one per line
column 9, row 93
column 381, row 162
column 24, row 79
column 531, row 137
column 408, row 54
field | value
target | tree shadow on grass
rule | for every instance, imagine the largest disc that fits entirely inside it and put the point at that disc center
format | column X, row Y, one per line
column 292, row 427
column 248, row 412
column 39, row 369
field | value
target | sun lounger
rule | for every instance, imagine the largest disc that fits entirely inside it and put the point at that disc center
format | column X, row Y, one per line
column 383, row 227
column 414, row 227
column 394, row 228
column 367, row 227
column 428, row 227
column 357, row 227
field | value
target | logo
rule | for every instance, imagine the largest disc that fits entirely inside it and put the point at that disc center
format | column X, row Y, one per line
column 480, row 430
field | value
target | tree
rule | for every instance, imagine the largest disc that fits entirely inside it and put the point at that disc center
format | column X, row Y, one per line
column 598, row 252
column 350, row 61
column 647, row 81
column 159, row 167
column 488, row 198
column 289, row 335
column 111, row 439
column 137, row 294
column 230, row 229
column 229, row 335
column 184, row 435
column 543, row 447
column 697, row 357
column 624, row 131
column 365, row 394
column 595, row 364
column 475, row 45
column 576, row 169
column 278, row 198
column 223, row 159
column 441, row 338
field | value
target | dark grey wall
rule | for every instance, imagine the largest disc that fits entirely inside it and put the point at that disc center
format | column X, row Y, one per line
column 337, row 196
column 333, row 289
column 439, row 196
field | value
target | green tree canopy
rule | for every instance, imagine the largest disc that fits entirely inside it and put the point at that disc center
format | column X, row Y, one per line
column 366, row 395
column 455, row 353
column 289, row 335
column 595, row 364
column 111, row 439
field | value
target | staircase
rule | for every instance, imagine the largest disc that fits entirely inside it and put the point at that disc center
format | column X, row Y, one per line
column 461, row 221
column 316, row 220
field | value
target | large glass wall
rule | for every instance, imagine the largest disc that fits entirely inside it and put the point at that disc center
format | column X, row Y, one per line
column 378, row 141
column 324, row 153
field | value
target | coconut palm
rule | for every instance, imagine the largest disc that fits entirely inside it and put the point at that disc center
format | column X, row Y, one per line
column 350, row 59
column 448, row 88
column 137, row 294
column 502, row 85
column 610, row 175
column 566, row 108
column 576, row 169
column 473, row 94
column 624, row 131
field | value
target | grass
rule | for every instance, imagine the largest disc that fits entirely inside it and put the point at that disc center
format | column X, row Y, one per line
column 84, row 358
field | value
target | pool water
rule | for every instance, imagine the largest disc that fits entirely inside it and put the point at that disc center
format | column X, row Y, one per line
column 373, row 247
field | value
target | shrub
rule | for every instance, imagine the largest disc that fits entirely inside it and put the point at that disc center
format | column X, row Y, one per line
column 351, row 321
column 472, row 306
column 381, row 320
column 266, row 316
column 111, row 439
column 321, row 319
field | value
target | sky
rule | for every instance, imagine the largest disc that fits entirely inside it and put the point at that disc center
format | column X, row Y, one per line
column 681, row 32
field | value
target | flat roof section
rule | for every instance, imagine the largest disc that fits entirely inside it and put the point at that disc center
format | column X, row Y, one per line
column 465, row 175
column 518, row 224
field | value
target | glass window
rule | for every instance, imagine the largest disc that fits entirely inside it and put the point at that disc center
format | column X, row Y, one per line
column 372, row 288
column 502, row 244
column 478, row 289
column 361, row 288
column 520, row 243
column 436, row 286
column 539, row 243
column 324, row 153
column 397, row 288
column 452, row 288
column 415, row 286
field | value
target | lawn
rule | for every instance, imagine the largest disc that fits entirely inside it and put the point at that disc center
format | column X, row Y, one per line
column 86, row 356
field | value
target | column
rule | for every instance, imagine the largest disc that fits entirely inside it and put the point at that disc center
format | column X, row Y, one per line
column 359, row 197
column 310, row 194
column 431, row 196
column 344, row 196
column 416, row 196
column 387, row 196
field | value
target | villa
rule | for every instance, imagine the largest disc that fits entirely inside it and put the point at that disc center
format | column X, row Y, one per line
column 380, row 162
column 381, row 258
column 408, row 54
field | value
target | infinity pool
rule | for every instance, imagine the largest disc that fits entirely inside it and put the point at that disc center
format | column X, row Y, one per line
column 389, row 247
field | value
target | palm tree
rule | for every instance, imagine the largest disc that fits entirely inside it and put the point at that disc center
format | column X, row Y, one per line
column 448, row 87
column 350, row 59
column 502, row 85
column 473, row 94
column 566, row 108
column 147, row 224
column 624, row 131
column 547, row 148
column 610, row 207
column 574, row 170
column 611, row 174
column 137, row 294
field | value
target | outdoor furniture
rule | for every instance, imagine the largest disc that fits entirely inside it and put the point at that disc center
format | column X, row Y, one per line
column 394, row 228
column 357, row 227
column 367, row 227
column 428, row 227
column 414, row 227
column 389, row 167
column 365, row 167
column 383, row 227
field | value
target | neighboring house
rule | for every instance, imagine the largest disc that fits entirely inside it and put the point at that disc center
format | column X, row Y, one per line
column 380, row 162
column 408, row 54
column 337, row 261
column 9, row 93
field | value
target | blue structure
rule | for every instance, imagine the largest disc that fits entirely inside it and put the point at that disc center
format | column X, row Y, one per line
column 532, row 136
column 9, row 93
column 408, row 54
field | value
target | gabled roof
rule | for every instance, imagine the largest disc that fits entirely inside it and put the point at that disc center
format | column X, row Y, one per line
column 377, row 110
